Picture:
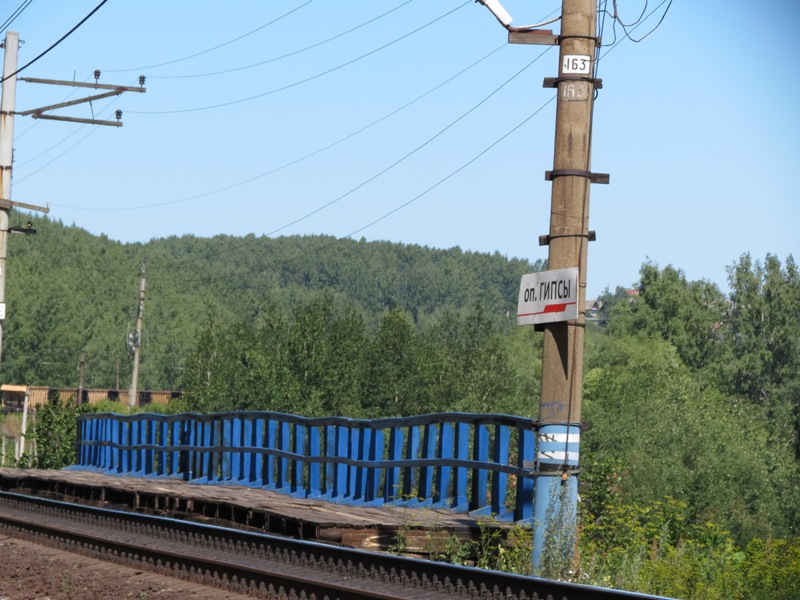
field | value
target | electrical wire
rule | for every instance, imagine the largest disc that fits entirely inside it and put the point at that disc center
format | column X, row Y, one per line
column 412, row 152
column 660, row 21
column 447, row 177
column 63, row 37
column 636, row 22
column 217, row 47
column 55, row 158
column 288, row 54
column 307, row 79
column 641, row 20
column 20, row 9
column 452, row 173
column 617, row 42
column 297, row 160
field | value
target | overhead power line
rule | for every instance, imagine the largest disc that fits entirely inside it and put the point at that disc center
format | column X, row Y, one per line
column 63, row 37
column 20, row 9
column 307, row 79
column 452, row 173
column 414, row 151
column 288, row 54
column 217, row 47
column 292, row 162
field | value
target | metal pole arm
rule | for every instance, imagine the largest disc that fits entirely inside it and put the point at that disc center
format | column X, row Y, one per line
column 39, row 111
column 94, row 86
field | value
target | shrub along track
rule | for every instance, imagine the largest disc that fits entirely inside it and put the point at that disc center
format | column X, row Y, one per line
column 261, row 565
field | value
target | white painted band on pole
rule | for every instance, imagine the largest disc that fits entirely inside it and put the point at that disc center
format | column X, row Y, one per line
column 562, row 438
column 559, row 456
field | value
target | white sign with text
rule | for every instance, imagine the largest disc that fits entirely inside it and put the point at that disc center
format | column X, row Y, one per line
column 548, row 296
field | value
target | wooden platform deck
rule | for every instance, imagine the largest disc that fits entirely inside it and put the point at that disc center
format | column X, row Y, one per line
column 417, row 531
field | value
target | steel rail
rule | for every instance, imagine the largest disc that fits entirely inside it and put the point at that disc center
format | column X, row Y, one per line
column 266, row 566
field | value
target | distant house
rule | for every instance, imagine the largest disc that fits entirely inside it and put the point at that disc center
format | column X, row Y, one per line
column 592, row 309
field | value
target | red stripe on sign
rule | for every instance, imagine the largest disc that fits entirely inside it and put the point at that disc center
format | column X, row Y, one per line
column 551, row 308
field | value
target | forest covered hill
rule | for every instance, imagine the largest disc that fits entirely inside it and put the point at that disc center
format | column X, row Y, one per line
column 69, row 292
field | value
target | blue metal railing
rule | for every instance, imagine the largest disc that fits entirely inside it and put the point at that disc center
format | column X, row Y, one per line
column 482, row 464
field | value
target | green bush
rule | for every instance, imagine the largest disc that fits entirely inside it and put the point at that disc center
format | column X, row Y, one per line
column 55, row 433
column 655, row 548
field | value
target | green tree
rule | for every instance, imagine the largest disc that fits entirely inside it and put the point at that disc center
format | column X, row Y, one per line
column 670, row 436
column 686, row 314
column 762, row 335
column 759, row 365
column 326, row 349
column 466, row 363
column 393, row 379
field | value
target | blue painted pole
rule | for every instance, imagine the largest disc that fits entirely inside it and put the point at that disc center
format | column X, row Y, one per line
column 555, row 503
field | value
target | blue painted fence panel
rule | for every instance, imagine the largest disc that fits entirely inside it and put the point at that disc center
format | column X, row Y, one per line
column 482, row 464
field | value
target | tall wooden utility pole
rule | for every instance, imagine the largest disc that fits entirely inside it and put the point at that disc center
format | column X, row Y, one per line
column 558, row 441
column 137, row 343
column 555, row 494
column 568, row 239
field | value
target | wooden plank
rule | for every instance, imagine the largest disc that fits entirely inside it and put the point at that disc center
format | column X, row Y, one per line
column 171, row 492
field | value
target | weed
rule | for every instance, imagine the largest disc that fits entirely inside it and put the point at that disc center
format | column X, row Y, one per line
column 503, row 548
column 560, row 536
column 452, row 550
column 66, row 581
column 399, row 544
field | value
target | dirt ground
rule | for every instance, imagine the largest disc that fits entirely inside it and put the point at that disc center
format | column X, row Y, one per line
column 29, row 571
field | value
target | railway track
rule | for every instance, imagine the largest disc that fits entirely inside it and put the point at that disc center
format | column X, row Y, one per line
column 265, row 566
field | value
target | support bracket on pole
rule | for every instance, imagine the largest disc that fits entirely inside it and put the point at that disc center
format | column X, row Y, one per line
column 598, row 41
column 552, row 82
column 543, row 37
column 9, row 204
column 592, row 177
column 540, row 37
column 544, row 240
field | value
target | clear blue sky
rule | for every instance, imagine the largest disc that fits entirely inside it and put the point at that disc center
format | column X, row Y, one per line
column 697, row 124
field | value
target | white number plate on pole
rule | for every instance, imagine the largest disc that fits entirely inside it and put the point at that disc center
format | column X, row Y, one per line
column 576, row 64
column 548, row 296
